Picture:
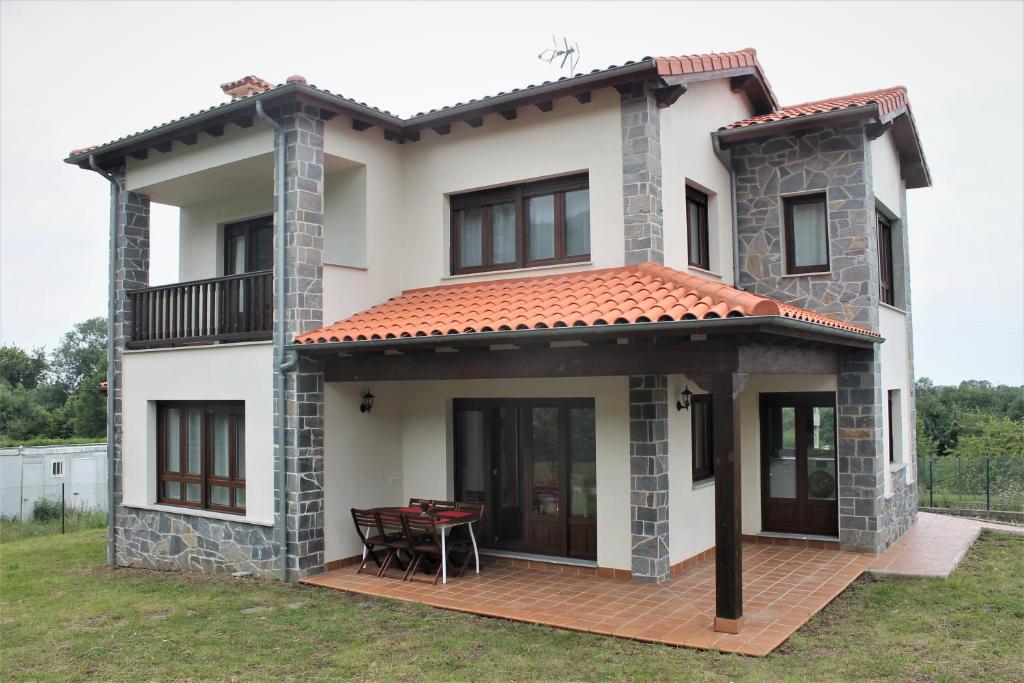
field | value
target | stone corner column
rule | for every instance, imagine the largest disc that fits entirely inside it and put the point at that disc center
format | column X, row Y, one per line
column 641, row 175
column 304, row 387
column 860, row 451
column 130, row 252
column 648, row 468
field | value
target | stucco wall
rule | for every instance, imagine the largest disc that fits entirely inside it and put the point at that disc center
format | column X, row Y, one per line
column 896, row 375
column 201, row 231
column 885, row 173
column 687, row 155
column 691, row 509
column 224, row 373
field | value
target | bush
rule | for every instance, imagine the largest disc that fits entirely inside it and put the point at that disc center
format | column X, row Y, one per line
column 46, row 510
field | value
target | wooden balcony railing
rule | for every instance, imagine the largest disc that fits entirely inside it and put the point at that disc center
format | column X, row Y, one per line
column 223, row 309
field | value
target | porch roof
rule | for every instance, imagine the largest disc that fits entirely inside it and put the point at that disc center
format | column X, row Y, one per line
column 642, row 294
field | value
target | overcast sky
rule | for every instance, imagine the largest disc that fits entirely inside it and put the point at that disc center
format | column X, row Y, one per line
column 83, row 73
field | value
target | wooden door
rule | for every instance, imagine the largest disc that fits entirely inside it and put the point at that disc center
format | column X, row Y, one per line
column 799, row 491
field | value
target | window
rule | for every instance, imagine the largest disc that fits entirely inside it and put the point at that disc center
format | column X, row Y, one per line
column 57, row 468
column 697, row 228
column 701, row 432
column 201, row 455
column 249, row 246
column 806, row 220
column 521, row 225
column 893, row 407
column 887, row 293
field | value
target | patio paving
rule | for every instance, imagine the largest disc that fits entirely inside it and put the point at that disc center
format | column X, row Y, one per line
column 783, row 587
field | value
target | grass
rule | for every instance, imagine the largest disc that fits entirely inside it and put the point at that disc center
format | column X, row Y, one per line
column 69, row 441
column 65, row 616
column 74, row 520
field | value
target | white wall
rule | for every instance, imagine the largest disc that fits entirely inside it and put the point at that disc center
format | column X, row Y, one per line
column 572, row 137
column 691, row 516
column 201, row 231
column 236, row 372
column 362, row 459
column 895, row 375
column 885, row 173
column 750, row 434
column 687, row 155
column 345, row 216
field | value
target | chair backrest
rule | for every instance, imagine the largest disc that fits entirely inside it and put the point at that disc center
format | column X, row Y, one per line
column 476, row 508
column 445, row 504
column 415, row 502
column 389, row 524
column 365, row 521
column 417, row 527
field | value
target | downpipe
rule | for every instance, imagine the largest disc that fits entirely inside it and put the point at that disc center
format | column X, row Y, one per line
column 726, row 158
column 111, row 274
column 285, row 365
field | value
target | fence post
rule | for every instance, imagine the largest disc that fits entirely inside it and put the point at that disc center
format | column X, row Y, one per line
column 62, row 507
column 931, row 486
column 988, row 485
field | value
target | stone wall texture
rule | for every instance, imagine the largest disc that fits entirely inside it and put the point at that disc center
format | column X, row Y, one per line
column 831, row 160
column 648, row 469
column 304, row 388
column 641, row 177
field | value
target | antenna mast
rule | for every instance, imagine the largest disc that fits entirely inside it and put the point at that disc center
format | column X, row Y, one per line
column 570, row 54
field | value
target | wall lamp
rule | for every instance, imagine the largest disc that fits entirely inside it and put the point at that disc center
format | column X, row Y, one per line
column 684, row 399
column 367, row 404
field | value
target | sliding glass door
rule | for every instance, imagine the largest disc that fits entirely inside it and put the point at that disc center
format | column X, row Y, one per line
column 532, row 463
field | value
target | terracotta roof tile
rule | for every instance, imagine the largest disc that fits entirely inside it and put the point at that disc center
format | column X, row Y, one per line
column 888, row 101
column 682, row 65
column 613, row 296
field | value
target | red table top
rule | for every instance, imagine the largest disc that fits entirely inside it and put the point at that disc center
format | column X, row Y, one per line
column 451, row 515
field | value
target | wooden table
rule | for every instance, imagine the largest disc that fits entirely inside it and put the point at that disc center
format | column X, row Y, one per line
column 445, row 520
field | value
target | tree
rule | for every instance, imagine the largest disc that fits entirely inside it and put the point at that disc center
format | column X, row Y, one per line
column 991, row 436
column 79, row 355
column 18, row 368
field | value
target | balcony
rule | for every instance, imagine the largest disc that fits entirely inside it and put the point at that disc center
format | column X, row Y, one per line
column 234, row 308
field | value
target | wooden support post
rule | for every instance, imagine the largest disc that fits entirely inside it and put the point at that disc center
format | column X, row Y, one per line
column 728, row 549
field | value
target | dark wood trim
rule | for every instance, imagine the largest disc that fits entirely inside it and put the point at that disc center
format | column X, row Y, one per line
column 519, row 196
column 889, row 402
column 702, row 257
column 247, row 229
column 508, row 114
column 140, row 154
column 706, row 470
column 728, row 513
column 475, row 121
column 164, row 146
column 886, row 279
column 583, row 97
column 788, row 203
column 360, row 125
column 205, row 478
column 545, row 105
column 443, row 129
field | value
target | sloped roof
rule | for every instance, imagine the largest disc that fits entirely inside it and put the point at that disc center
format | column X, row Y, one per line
column 716, row 63
column 889, row 101
column 644, row 293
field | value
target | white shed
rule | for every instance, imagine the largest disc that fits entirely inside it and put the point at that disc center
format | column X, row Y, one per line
column 29, row 473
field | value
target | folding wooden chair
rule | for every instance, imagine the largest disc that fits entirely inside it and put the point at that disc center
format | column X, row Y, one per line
column 424, row 542
column 390, row 528
column 369, row 533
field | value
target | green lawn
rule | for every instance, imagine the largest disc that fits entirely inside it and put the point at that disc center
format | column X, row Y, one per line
column 65, row 616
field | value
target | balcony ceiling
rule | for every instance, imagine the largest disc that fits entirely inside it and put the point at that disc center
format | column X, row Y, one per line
column 247, row 176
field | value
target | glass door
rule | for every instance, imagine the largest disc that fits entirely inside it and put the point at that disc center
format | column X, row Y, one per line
column 532, row 463
column 798, row 472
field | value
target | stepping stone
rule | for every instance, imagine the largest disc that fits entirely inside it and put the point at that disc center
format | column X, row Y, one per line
column 256, row 610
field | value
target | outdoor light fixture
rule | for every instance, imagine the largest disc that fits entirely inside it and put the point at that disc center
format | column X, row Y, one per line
column 367, row 404
column 684, row 399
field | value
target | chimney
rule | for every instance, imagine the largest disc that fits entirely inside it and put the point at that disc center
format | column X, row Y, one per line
column 245, row 87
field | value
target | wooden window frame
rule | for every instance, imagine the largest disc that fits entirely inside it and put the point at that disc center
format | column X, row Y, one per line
column 205, row 479
column 788, row 203
column 886, row 271
column 707, row 471
column 518, row 195
column 246, row 228
column 889, row 401
column 701, row 201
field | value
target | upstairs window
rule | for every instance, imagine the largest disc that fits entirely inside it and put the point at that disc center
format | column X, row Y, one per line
column 519, row 226
column 701, row 431
column 887, row 292
column 806, row 222
column 249, row 246
column 201, row 455
column 697, row 228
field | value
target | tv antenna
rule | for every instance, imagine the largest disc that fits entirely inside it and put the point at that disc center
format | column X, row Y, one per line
column 570, row 54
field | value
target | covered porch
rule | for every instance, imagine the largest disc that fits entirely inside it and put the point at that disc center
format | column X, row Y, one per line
column 653, row 523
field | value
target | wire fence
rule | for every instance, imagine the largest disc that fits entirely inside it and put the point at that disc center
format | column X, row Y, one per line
column 994, row 483
column 51, row 509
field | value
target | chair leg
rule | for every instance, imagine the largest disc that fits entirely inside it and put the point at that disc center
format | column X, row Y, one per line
column 387, row 562
column 370, row 554
column 413, row 566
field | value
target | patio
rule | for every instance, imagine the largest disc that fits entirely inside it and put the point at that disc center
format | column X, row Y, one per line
column 783, row 587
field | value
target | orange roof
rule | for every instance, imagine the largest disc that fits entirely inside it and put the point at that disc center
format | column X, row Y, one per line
column 715, row 61
column 888, row 101
column 631, row 294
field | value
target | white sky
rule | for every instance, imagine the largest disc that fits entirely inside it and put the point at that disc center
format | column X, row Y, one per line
column 83, row 73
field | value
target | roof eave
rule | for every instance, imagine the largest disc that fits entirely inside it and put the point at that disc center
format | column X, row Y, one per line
column 770, row 323
column 760, row 130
